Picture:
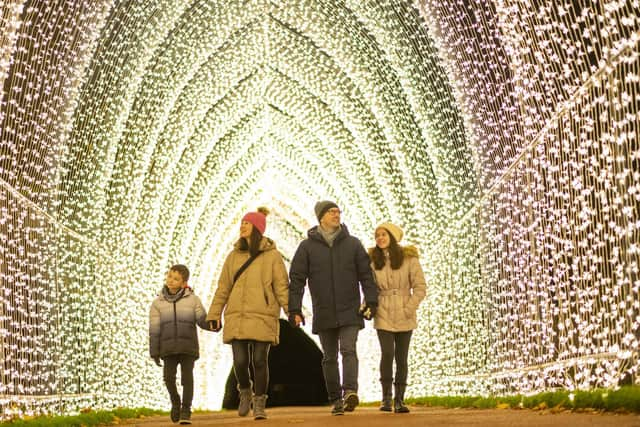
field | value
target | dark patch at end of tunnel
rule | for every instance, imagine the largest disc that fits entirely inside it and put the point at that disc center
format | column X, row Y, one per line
column 295, row 373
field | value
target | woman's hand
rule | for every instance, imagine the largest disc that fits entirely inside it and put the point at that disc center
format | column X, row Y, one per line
column 215, row 325
column 295, row 319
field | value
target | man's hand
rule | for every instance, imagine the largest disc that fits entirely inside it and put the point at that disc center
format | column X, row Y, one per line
column 368, row 310
column 156, row 359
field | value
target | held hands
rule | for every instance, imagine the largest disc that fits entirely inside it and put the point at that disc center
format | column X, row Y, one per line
column 156, row 359
column 215, row 325
column 368, row 310
column 296, row 318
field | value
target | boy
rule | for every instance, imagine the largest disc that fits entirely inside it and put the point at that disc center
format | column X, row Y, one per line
column 173, row 337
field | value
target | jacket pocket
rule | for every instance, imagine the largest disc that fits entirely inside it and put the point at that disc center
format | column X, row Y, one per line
column 266, row 296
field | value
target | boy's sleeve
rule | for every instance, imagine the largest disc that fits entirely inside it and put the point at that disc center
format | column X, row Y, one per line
column 281, row 283
column 223, row 290
column 201, row 314
column 154, row 331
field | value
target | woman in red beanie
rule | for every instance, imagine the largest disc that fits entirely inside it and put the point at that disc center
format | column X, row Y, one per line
column 253, row 287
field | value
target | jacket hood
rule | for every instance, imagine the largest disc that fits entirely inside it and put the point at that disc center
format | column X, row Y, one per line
column 411, row 251
column 164, row 293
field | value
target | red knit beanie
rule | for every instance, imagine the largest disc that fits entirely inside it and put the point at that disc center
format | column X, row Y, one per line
column 257, row 219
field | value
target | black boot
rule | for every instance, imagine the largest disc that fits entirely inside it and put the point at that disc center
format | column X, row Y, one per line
column 398, row 400
column 175, row 408
column 185, row 415
column 385, row 405
column 175, row 402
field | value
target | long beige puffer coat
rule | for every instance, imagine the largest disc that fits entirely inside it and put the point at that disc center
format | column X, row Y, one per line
column 252, row 305
column 400, row 293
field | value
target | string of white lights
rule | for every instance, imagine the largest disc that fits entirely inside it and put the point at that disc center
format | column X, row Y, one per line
column 542, row 217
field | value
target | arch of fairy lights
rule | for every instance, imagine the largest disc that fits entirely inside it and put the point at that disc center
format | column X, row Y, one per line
column 502, row 135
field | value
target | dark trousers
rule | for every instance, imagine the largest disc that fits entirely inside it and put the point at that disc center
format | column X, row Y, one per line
column 186, row 362
column 341, row 339
column 256, row 354
column 394, row 345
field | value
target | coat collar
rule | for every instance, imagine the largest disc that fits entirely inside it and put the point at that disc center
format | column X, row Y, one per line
column 182, row 293
column 266, row 244
column 314, row 234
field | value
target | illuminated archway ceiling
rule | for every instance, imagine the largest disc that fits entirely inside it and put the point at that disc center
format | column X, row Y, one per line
column 202, row 105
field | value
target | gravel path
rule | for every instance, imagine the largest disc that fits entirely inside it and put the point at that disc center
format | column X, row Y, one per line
column 419, row 417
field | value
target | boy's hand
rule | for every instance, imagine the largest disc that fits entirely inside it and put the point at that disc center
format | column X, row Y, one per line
column 215, row 325
column 157, row 360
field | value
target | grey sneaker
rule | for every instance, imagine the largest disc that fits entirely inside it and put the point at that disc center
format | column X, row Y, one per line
column 338, row 408
column 246, row 396
column 350, row 400
column 259, row 402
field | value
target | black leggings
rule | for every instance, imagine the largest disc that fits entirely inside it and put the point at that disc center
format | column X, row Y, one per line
column 394, row 345
column 256, row 353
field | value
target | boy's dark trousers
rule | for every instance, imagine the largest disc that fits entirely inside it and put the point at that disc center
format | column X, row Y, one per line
column 186, row 362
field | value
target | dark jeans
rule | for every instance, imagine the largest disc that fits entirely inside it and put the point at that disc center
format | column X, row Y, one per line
column 341, row 339
column 255, row 353
column 394, row 344
column 186, row 362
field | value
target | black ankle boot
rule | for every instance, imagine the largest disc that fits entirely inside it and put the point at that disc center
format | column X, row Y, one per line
column 185, row 415
column 398, row 401
column 175, row 408
column 385, row 404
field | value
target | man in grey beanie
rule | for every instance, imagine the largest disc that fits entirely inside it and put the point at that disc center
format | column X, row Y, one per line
column 336, row 266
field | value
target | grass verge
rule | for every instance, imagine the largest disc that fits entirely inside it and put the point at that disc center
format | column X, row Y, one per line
column 84, row 419
column 625, row 399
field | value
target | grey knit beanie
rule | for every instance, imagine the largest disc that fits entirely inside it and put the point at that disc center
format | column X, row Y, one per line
column 322, row 207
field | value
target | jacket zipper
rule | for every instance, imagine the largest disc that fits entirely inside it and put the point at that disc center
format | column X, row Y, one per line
column 333, row 286
column 175, row 322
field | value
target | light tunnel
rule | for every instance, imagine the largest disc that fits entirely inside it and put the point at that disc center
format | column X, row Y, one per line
column 503, row 137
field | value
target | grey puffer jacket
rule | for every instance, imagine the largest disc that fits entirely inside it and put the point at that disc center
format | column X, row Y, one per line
column 172, row 323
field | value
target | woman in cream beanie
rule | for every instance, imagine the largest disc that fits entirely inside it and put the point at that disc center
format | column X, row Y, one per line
column 402, row 287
